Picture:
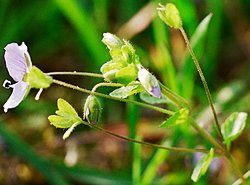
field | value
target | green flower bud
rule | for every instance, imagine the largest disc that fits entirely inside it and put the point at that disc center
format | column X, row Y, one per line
column 37, row 79
column 170, row 15
column 112, row 41
column 149, row 82
column 92, row 110
column 109, row 69
column 127, row 74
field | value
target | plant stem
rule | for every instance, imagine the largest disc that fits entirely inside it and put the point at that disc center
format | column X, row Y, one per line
column 207, row 136
column 112, row 98
column 181, row 102
column 235, row 167
column 177, row 149
column 96, row 75
column 202, row 79
column 104, row 84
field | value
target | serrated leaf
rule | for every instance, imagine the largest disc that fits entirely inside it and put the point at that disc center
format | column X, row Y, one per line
column 233, row 126
column 124, row 92
column 202, row 166
column 146, row 97
column 179, row 117
column 60, row 122
column 65, row 107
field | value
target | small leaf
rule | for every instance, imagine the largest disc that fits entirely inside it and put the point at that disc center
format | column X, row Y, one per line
column 233, row 126
column 59, row 121
column 65, row 108
column 127, row 91
column 146, row 97
column 202, row 166
column 179, row 117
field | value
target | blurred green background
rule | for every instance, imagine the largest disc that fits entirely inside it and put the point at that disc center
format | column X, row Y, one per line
column 65, row 35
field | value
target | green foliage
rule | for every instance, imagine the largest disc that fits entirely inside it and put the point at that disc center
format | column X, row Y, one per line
column 146, row 97
column 126, row 91
column 180, row 117
column 202, row 166
column 66, row 115
column 233, row 126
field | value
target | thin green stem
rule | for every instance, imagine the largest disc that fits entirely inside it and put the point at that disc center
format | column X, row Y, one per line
column 112, row 98
column 105, row 84
column 207, row 136
column 202, row 79
column 96, row 75
column 236, row 167
column 177, row 149
column 181, row 102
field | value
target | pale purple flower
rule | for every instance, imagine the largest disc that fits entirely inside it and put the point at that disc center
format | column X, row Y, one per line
column 18, row 63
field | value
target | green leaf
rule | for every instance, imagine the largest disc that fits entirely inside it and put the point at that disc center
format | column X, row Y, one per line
column 179, row 117
column 66, row 115
column 65, row 107
column 202, row 166
column 233, row 126
column 60, row 122
column 129, row 90
column 146, row 97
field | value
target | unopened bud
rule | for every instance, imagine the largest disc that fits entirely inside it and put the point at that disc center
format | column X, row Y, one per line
column 112, row 41
column 92, row 110
column 149, row 82
column 170, row 15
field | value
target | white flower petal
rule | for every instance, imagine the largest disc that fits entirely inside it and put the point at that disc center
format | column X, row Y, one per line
column 18, row 93
column 15, row 60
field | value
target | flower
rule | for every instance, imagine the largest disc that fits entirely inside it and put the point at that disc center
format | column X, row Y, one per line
column 18, row 63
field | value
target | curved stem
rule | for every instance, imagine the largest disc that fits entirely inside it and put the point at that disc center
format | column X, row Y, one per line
column 202, row 79
column 180, row 101
column 112, row 98
column 104, row 84
column 96, row 75
column 177, row 149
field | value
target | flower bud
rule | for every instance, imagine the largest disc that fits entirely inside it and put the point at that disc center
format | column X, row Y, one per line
column 149, row 82
column 112, row 41
column 109, row 70
column 92, row 110
column 170, row 15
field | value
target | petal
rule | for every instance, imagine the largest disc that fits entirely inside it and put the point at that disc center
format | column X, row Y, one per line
column 19, row 91
column 156, row 91
column 15, row 59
